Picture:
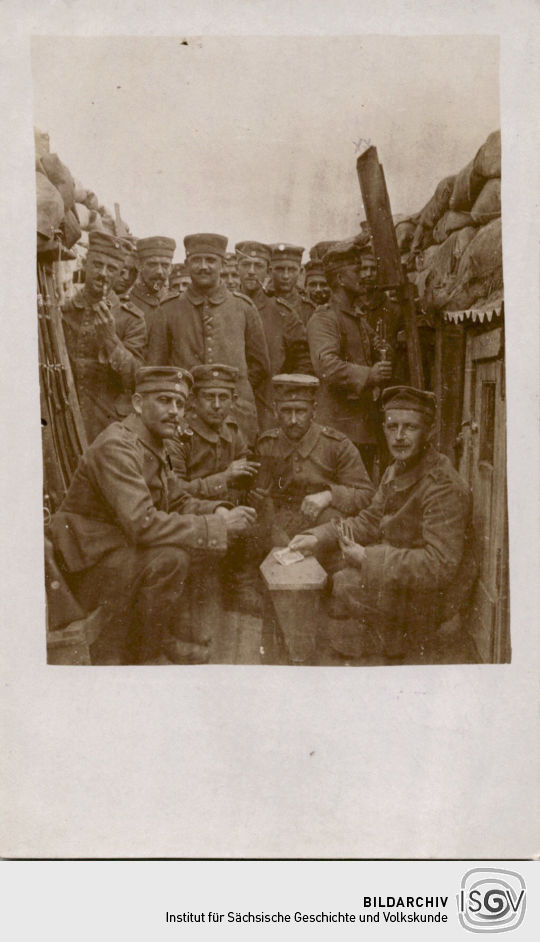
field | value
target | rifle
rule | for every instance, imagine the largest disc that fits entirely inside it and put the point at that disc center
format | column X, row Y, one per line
column 390, row 274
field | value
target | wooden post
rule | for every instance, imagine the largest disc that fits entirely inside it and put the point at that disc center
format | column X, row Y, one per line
column 389, row 269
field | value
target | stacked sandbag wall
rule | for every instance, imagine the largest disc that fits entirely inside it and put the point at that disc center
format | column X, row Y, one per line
column 455, row 254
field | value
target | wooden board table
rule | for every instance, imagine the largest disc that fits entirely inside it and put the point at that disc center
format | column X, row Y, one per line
column 295, row 593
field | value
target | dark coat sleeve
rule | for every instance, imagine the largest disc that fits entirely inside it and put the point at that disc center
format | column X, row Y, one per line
column 257, row 358
column 353, row 489
column 158, row 339
column 127, row 354
column 327, row 357
column 116, row 472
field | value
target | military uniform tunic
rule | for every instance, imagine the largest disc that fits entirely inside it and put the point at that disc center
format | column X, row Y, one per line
column 147, row 301
column 420, row 560
column 201, row 458
column 222, row 327
column 324, row 459
column 343, row 350
column 104, row 380
column 302, row 305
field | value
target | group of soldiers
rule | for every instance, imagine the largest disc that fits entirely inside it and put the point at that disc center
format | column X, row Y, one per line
column 228, row 412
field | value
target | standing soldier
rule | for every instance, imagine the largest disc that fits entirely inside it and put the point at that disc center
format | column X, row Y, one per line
column 155, row 256
column 317, row 287
column 127, row 275
column 344, row 351
column 209, row 324
column 285, row 334
column 285, row 269
column 105, row 337
column 179, row 278
column 229, row 276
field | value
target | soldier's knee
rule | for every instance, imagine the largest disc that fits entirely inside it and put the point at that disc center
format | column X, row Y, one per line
column 166, row 561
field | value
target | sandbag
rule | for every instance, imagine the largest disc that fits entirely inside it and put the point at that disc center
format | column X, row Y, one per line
column 50, row 206
column 438, row 204
column 487, row 162
column 480, row 271
column 449, row 223
column 80, row 193
column 487, row 206
column 83, row 214
column 425, row 259
column 70, row 229
column 467, row 186
column 59, row 174
column 108, row 224
column 91, row 201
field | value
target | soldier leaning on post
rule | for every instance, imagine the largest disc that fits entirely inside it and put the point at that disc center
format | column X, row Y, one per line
column 309, row 472
column 212, row 460
column 209, row 324
column 409, row 559
column 155, row 255
column 105, row 337
column 344, row 351
column 126, row 531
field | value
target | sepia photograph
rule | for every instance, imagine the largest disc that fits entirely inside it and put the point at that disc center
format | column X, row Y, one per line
column 270, row 316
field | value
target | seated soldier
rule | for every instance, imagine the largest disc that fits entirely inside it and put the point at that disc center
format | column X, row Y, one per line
column 309, row 473
column 211, row 460
column 409, row 556
column 126, row 531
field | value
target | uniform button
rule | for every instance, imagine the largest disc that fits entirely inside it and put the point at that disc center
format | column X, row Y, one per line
column 200, row 542
column 213, row 542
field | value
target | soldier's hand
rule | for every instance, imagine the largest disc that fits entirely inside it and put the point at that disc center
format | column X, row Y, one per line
column 380, row 372
column 242, row 468
column 314, row 504
column 104, row 321
column 304, row 543
column 353, row 553
column 257, row 497
column 239, row 519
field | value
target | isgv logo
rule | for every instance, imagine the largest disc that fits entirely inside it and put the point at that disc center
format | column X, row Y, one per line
column 491, row 900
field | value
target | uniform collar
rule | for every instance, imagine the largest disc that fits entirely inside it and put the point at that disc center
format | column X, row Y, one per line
column 140, row 290
column 136, row 425
column 80, row 300
column 405, row 480
column 306, row 444
column 217, row 296
column 209, row 434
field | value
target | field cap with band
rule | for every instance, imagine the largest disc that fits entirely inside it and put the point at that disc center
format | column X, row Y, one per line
column 171, row 379
column 319, row 250
column 107, row 245
column 205, row 243
column 342, row 254
column 295, row 386
column 156, row 246
column 215, row 375
column 178, row 270
column 407, row 397
column 314, row 267
column 253, row 250
column 281, row 252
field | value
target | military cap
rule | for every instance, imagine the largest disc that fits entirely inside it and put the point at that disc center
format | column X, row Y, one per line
column 205, row 243
column 295, row 386
column 217, row 375
column 153, row 379
column 106, row 244
column 314, row 267
column 407, row 397
column 341, row 254
column 253, row 250
column 290, row 253
column 318, row 251
column 156, row 246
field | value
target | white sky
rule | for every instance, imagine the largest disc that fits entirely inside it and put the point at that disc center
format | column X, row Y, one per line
column 255, row 137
